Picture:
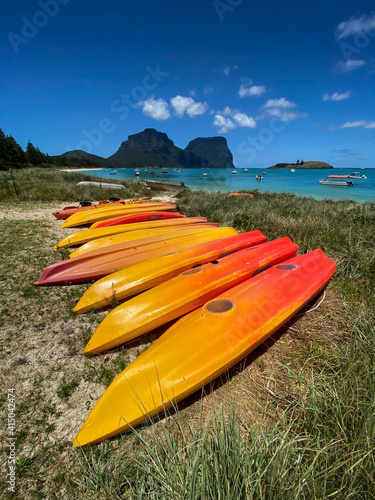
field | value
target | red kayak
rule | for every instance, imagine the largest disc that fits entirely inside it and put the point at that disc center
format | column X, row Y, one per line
column 129, row 219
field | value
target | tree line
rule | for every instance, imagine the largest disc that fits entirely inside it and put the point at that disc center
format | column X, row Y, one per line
column 13, row 156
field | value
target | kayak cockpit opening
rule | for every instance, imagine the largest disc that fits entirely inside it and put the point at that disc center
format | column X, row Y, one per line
column 219, row 306
column 192, row 271
column 286, row 266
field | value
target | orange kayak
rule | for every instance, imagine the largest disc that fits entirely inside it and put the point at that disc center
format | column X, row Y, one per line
column 141, row 277
column 186, row 292
column 86, row 235
column 140, row 217
column 92, row 267
column 210, row 341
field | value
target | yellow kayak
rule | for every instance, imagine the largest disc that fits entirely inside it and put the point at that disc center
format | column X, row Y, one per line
column 86, row 235
column 138, row 278
column 102, row 213
column 140, row 236
column 210, row 341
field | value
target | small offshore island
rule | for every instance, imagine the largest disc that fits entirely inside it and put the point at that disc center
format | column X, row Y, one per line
column 302, row 164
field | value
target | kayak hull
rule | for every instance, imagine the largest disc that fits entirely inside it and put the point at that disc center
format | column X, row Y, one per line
column 93, row 267
column 189, row 290
column 206, row 344
column 141, row 277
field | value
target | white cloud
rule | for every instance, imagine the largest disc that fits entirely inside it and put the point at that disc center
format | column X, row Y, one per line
column 336, row 96
column 224, row 124
column 249, row 90
column 349, row 65
column 226, row 111
column 243, row 120
column 280, row 103
column 158, row 109
column 364, row 124
column 187, row 105
column 282, row 109
column 355, row 25
column 237, row 119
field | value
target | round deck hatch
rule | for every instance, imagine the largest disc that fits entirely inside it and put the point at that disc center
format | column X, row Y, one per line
column 219, row 306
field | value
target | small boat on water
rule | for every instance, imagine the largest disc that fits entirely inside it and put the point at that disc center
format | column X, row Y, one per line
column 205, row 174
column 245, row 169
column 114, row 172
column 234, row 172
column 166, row 186
column 357, row 175
column 164, row 171
column 292, row 170
column 336, row 180
column 264, row 173
column 259, row 177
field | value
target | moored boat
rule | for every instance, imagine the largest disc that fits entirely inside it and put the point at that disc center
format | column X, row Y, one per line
column 357, row 175
column 336, row 180
column 166, row 186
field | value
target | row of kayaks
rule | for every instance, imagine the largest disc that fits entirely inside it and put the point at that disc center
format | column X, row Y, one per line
column 224, row 292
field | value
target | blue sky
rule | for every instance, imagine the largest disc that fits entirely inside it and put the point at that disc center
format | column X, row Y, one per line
column 280, row 80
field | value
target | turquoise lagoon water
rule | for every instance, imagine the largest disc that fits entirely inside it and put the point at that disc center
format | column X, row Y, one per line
column 301, row 182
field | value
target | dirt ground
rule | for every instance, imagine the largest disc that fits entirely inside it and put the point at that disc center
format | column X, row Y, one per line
column 56, row 385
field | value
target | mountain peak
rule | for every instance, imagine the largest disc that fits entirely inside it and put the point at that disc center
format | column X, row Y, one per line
column 152, row 148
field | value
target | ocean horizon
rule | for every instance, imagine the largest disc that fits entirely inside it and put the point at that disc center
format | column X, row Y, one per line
column 303, row 182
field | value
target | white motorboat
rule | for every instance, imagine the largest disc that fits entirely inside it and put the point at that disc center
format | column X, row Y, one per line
column 357, row 175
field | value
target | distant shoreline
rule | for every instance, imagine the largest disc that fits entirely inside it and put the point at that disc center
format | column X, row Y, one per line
column 79, row 169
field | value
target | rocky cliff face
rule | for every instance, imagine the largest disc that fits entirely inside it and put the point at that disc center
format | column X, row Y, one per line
column 213, row 149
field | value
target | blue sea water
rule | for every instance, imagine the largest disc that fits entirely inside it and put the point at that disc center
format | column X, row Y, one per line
column 301, row 182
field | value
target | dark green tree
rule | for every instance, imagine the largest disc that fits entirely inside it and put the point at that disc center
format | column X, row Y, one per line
column 34, row 155
column 11, row 153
